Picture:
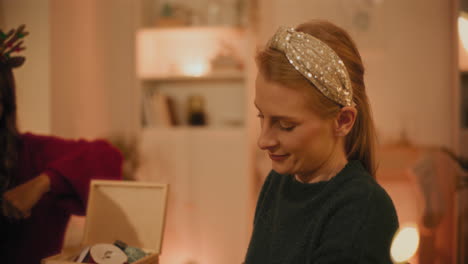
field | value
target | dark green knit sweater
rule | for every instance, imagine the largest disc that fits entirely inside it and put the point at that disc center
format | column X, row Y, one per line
column 346, row 220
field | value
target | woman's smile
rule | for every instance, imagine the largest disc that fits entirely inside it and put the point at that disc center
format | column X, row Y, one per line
column 276, row 157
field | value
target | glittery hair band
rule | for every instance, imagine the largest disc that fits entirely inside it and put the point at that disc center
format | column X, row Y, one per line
column 317, row 62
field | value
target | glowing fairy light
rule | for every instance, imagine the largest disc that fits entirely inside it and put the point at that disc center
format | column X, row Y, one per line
column 463, row 29
column 405, row 244
column 195, row 69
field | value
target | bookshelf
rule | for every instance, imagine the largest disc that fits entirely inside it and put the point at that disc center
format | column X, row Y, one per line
column 193, row 61
column 463, row 113
column 206, row 166
column 462, row 94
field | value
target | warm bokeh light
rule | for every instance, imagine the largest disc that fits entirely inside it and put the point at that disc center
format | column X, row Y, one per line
column 405, row 244
column 463, row 29
column 175, row 52
column 195, row 68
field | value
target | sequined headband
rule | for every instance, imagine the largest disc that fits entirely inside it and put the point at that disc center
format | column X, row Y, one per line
column 10, row 43
column 317, row 62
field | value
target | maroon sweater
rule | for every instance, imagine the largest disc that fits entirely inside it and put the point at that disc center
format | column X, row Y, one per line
column 70, row 165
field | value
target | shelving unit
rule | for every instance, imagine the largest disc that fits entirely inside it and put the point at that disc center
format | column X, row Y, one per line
column 206, row 167
column 463, row 110
column 462, row 93
column 207, row 61
column 462, row 103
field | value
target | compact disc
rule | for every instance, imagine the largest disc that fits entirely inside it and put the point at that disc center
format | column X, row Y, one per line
column 107, row 254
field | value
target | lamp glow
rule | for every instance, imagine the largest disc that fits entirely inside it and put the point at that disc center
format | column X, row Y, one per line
column 463, row 30
column 195, row 69
column 172, row 52
column 405, row 244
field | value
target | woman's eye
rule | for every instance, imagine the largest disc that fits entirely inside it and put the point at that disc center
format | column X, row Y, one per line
column 259, row 115
column 287, row 126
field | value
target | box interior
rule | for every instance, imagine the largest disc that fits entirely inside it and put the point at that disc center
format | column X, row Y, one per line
column 132, row 212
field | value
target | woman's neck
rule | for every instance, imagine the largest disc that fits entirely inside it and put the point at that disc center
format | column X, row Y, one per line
column 331, row 167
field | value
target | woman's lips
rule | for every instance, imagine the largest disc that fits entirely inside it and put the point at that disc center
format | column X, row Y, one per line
column 278, row 157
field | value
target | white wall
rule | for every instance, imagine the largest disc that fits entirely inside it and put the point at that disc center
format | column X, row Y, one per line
column 93, row 77
column 407, row 52
column 79, row 78
column 33, row 78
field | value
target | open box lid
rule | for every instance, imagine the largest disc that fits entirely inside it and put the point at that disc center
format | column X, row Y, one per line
column 133, row 212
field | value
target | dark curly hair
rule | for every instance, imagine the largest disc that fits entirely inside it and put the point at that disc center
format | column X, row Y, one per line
column 9, row 136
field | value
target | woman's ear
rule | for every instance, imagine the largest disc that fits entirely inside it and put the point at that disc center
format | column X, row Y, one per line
column 344, row 121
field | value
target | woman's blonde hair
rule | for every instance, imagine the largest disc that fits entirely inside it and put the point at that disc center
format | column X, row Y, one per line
column 360, row 142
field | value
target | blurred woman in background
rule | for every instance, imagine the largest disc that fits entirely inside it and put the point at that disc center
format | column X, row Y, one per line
column 43, row 179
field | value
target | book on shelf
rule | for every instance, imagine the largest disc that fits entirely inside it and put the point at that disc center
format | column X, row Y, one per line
column 158, row 110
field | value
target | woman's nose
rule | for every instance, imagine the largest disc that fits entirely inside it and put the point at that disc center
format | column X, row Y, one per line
column 267, row 139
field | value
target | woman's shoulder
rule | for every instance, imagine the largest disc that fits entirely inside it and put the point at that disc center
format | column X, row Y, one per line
column 32, row 140
column 358, row 186
column 355, row 179
column 29, row 137
column 58, row 145
column 359, row 216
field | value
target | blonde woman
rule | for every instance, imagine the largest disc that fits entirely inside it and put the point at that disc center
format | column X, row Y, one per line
column 320, row 203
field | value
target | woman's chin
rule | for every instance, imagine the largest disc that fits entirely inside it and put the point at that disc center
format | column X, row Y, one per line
column 281, row 169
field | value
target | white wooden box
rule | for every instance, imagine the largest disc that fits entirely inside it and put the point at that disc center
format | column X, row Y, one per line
column 133, row 212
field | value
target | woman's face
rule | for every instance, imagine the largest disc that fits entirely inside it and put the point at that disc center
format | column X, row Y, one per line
column 297, row 140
